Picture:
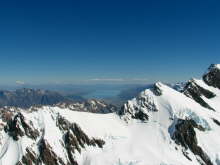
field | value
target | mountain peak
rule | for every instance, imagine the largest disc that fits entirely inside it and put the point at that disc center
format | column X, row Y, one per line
column 212, row 76
column 212, row 67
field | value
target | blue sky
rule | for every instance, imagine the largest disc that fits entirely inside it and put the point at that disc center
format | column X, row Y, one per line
column 123, row 41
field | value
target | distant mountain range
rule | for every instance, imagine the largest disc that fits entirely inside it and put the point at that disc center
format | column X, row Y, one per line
column 112, row 93
column 26, row 98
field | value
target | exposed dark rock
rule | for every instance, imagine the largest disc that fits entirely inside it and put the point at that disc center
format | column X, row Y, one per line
column 62, row 123
column 30, row 158
column 185, row 135
column 75, row 138
column 137, row 111
column 141, row 116
column 193, row 86
column 29, row 132
column 13, row 128
column 98, row 142
column 71, row 145
column 74, row 143
column 195, row 92
column 156, row 89
column 134, row 112
column 75, row 131
column 212, row 77
column 186, row 154
column 216, row 121
column 47, row 156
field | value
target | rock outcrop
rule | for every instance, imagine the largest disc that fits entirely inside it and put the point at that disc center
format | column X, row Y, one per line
column 74, row 140
column 212, row 76
column 185, row 136
column 17, row 127
column 194, row 91
column 139, row 107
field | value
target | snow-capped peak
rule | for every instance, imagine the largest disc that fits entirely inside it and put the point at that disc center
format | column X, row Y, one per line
column 161, row 126
column 187, row 120
column 213, row 67
column 212, row 76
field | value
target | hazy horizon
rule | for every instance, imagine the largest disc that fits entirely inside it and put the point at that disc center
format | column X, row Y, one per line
column 49, row 42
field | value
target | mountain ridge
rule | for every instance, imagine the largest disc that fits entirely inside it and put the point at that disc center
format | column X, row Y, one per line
column 26, row 97
column 161, row 126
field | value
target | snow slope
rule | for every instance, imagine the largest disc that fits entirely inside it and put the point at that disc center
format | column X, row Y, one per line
column 134, row 143
column 161, row 126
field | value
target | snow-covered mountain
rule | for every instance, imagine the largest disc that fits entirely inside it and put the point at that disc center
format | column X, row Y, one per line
column 92, row 105
column 161, row 126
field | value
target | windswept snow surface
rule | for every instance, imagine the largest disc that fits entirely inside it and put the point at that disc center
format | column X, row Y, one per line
column 11, row 151
column 127, row 143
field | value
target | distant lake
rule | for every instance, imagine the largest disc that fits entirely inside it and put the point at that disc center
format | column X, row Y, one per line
column 101, row 94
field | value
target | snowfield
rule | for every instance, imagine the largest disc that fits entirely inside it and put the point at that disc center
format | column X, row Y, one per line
column 128, row 140
column 135, row 143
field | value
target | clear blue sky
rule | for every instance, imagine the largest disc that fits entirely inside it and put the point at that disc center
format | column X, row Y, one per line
column 47, row 41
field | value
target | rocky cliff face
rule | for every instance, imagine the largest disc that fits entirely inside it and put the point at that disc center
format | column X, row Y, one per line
column 196, row 92
column 37, row 148
column 185, row 112
column 205, row 90
column 185, row 135
column 139, row 107
column 212, row 76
